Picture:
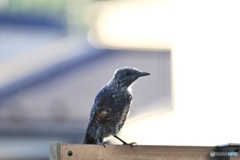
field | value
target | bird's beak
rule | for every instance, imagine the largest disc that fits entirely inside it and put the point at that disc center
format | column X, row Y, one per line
column 143, row 74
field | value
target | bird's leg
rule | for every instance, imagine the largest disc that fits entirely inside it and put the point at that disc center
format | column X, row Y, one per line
column 102, row 143
column 120, row 139
column 125, row 143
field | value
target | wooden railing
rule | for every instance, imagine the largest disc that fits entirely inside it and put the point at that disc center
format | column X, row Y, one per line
column 142, row 152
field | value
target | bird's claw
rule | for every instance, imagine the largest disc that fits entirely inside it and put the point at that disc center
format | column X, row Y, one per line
column 103, row 144
column 132, row 143
column 125, row 143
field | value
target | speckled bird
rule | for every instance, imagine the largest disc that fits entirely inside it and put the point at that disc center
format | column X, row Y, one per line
column 111, row 106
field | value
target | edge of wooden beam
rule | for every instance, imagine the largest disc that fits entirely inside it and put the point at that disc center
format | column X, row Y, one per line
column 54, row 151
column 141, row 152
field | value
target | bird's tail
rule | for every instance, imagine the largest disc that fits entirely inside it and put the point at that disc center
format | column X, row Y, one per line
column 89, row 140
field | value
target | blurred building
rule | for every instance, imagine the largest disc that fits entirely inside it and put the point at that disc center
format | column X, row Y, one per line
column 55, row 57
column 54, row 104
column 49, row 78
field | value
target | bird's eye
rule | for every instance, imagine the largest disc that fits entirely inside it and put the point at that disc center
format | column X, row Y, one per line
column 127, row 73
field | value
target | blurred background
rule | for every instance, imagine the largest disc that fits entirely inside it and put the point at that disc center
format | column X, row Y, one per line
column 55, row 57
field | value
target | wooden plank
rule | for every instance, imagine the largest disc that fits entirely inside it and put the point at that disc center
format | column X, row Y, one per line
column 54, row 149
column 137, row 152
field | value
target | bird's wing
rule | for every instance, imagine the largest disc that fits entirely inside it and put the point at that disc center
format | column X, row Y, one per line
column 102, row 112
column 95, row 106
column 105, row 111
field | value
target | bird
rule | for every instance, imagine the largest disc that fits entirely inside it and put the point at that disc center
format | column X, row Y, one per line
column 111, row 107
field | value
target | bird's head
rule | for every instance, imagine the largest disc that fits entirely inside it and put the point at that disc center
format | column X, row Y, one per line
column 124, row 77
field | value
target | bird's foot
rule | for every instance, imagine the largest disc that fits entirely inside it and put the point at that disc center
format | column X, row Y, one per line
column 103, row 144
column 125, row 143
column 131, row 144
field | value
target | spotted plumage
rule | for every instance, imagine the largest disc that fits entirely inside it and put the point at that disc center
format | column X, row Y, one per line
column 111, row 106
